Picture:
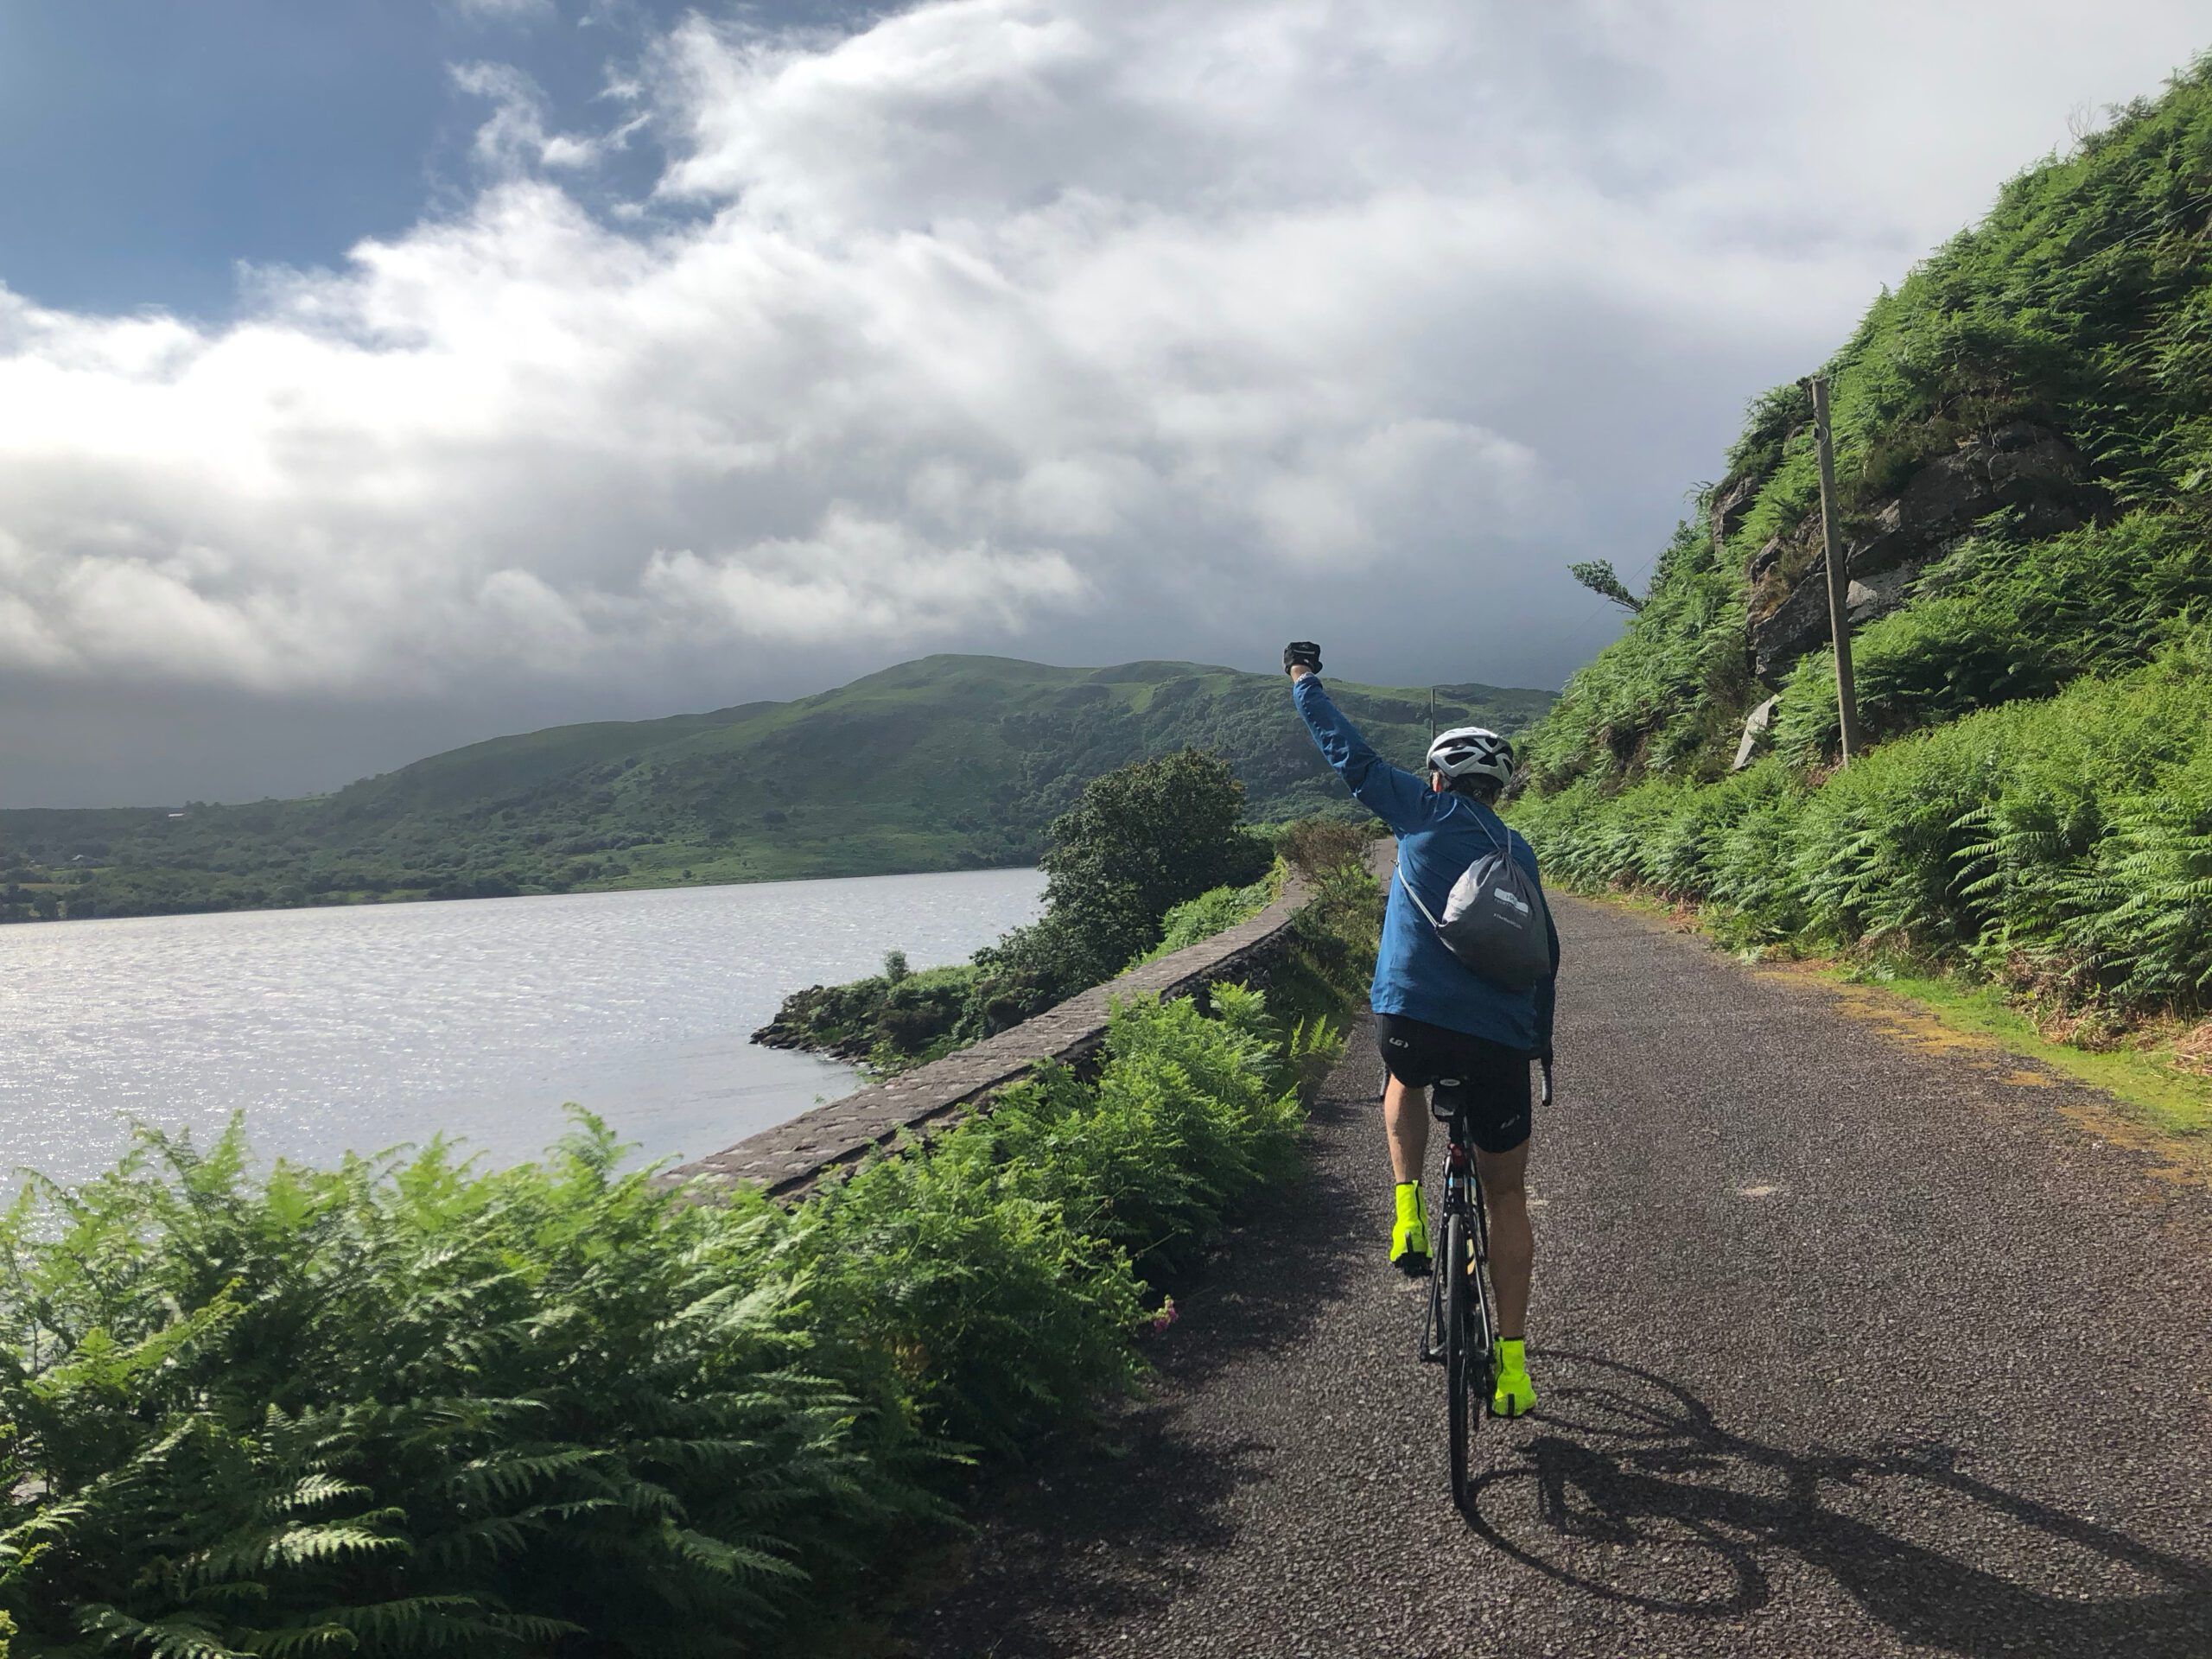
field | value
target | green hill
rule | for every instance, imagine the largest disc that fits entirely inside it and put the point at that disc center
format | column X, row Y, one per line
column 946, row 763
column 2024, row 434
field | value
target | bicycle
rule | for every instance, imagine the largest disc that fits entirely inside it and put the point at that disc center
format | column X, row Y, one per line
column 1460, row 1332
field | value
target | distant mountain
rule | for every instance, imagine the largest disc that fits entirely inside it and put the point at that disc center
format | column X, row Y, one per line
column 947, row 763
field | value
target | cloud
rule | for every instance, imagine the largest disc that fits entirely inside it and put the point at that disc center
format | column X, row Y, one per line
column 517, row 138
column 505, row 11
column 1006, row 323
column 854, row 576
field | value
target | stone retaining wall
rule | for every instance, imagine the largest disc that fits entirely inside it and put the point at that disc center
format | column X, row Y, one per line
column 789, row 1159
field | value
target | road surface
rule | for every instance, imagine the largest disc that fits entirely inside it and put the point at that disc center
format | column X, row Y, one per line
column 1847, row 1344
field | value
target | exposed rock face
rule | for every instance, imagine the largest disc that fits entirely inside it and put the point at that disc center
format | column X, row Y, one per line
column 1756, row 725
column 1878, row 595
column 2019, row 465
column 1730, row 503
column 1798, row 625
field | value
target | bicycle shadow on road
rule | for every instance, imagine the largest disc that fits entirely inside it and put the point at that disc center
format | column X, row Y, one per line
column 1630, row 1491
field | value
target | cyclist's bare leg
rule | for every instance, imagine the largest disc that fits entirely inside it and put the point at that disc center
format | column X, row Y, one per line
column 1405, row 1116
column 1512, row 1244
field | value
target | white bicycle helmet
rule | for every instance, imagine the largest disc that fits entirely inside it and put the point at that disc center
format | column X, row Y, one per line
column 1472, row 752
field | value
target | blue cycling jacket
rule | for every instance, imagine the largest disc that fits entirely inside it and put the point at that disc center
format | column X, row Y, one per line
column 1438, row 835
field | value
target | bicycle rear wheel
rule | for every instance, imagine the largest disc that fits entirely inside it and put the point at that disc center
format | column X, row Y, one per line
column 1459, row 1362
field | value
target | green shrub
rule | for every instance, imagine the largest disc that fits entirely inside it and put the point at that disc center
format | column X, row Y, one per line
column 1663, row 696
column 1139, row 841
column 2001, row 619
column 1312, row 846
column 1196, row 920
column 1190, row 1116
column 396, row 1407
column 1332, row 947
column 918, row 1016
column 1028, row 970
column 2064, row 846
column 401, row 1407
column 1001, row 1315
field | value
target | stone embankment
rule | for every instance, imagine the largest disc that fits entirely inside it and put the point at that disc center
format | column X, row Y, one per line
column 789, row 1159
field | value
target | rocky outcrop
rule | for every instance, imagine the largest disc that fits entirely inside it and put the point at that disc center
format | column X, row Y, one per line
column 1732, row 499
column 2020, row 465
column 1756, row 725
column 1800, row 623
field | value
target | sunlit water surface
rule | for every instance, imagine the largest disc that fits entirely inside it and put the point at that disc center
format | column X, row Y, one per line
column 359, row 1028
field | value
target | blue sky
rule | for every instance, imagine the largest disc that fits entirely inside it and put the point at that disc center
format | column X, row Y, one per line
column 379, row 378
column 149, row 148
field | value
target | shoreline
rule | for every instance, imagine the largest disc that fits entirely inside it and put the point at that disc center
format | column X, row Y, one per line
column 393, row 900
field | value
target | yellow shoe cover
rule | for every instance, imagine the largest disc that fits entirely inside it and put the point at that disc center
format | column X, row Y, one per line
column 1515, row 1395
column 1409, row 1235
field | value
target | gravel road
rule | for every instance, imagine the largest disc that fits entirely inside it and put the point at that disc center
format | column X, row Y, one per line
column 1845, row 1345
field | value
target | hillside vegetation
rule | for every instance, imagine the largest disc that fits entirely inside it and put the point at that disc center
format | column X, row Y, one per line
column 946, row 763
column 2024, row 435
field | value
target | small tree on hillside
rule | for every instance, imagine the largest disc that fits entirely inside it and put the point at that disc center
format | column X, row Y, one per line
column 1600, row 577
column 1140, row 839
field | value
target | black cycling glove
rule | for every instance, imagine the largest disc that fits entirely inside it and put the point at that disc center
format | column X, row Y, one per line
column 1301, row 653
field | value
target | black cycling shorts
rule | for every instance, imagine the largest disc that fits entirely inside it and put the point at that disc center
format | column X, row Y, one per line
column 1492, row 1078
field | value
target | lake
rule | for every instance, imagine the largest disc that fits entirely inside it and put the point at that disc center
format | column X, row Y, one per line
column 357, row 1028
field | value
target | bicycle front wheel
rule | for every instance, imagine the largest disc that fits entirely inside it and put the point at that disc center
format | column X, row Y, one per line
column 1460, row 1362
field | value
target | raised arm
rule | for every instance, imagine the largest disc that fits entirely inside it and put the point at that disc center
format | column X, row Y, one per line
column 1397, row 798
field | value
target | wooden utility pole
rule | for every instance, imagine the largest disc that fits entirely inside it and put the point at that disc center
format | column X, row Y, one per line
column 1432, row 715
column 1847, row 695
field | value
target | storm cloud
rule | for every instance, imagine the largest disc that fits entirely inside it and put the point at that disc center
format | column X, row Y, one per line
column 1089, row 330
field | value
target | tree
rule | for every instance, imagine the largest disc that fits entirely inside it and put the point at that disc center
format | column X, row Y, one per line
column 1140, row 839
column 1597, row 575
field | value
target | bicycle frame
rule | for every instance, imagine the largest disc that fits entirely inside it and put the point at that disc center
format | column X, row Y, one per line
column 1462, row 1195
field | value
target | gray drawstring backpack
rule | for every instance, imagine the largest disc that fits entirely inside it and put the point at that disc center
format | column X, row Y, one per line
column 1494, row 919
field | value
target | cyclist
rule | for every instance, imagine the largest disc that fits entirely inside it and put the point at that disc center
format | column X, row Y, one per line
column 1437, row 1022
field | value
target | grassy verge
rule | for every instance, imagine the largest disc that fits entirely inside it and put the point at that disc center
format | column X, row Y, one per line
column 405, row 1407
column 2150, row 1073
